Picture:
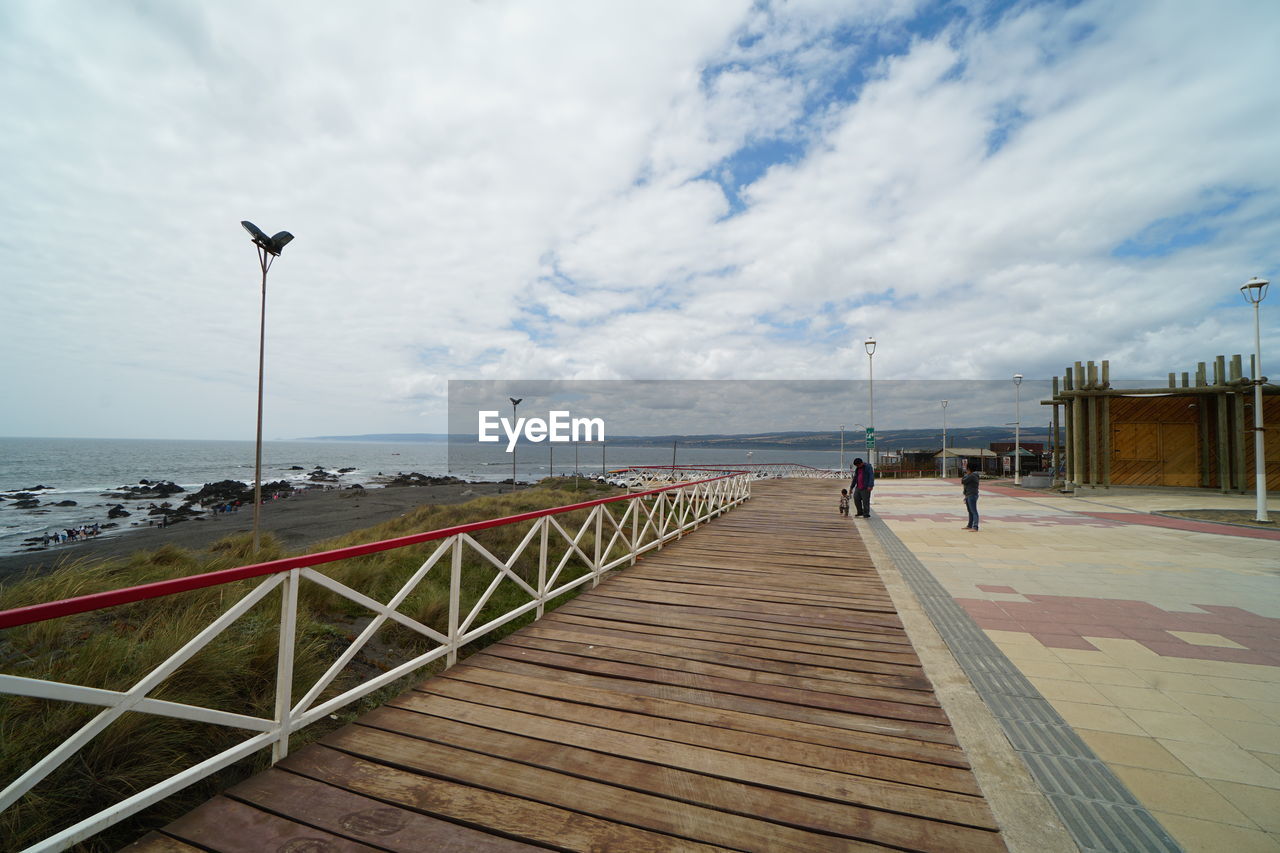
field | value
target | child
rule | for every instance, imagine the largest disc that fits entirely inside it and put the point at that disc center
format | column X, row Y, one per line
column 844, row 501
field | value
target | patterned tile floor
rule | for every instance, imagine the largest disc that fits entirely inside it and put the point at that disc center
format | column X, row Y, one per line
column 1158, row 641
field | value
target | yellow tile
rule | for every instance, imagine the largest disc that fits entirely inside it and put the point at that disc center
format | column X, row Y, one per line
column 1255, row 737
column 1206, row 836
column 1266, row 689
column 1228, row 763
column 1261, row 805
column 1185, row 681
column 1143, row 698
column 1109, row 675
column 1075, row 657
column 1179, row 727
column 1081, row 715
column 1268, row 758
column 1013, row 638
column 1132, row 751
column 1270, row 710
column 1199, row 639
column 1048, row 669
column 1217, row 706
column 1182, row 795
column 1072, row 691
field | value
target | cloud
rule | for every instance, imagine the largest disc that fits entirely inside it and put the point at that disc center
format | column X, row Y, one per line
column 705, row 190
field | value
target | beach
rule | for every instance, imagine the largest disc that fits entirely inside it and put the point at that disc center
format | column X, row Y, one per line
column 300, row 521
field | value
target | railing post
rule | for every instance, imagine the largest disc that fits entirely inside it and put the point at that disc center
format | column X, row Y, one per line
column 455, row 595
column 634, row 505
column 660, row 505
column 284, row 662
column 545, row 521
column 595, row 569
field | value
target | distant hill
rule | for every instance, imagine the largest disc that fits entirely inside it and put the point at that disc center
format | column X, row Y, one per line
column 893, row 439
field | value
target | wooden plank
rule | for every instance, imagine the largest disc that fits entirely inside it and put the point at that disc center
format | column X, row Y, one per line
column 863, row 698
column 601, row 694
column 156, row 842
column 875, row 793
column 838, row 669
column 744, row 743
column 745, row 702
column 489, row 760
column 231, row 826
column 431, row 790
column 362, row 818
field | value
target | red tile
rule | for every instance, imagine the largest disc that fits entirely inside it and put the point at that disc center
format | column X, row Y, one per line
column 1063, row 641
column 990, row 588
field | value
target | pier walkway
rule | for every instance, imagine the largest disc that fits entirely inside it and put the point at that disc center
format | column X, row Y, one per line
column 750, row 686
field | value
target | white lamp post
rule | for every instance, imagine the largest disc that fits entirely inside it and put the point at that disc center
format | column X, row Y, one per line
column 1017, row 429
column 871, row 398
column 944, row 438
column 515, row 401
column 1255, row 290
column 841, row 447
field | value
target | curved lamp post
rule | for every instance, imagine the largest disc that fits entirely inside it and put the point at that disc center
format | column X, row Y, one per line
column 1255, row 290
column 515, row 401
column 870, row 344
column 1017, row 429
column 269, row 248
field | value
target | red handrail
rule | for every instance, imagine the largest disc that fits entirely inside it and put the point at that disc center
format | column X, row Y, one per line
column 158, row 589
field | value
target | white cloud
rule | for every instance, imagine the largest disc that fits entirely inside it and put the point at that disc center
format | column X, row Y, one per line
column 493, row 190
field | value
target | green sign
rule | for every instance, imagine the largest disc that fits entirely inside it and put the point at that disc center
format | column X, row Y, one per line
column 871, row 432
column 871, row 442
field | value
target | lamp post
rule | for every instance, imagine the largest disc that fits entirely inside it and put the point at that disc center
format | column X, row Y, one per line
column 515, row 401
column 870, row 344
column 1017, row 429
column 841, row 447
column 1255, row 290
column 269, row 248
column 944, row 438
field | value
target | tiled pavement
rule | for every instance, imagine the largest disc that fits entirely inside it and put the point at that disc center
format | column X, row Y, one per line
column 1155, row 641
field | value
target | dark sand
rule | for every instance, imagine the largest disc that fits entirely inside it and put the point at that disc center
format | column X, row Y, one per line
column 298, row 522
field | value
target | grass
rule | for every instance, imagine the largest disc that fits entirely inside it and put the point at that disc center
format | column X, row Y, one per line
column 114, row 648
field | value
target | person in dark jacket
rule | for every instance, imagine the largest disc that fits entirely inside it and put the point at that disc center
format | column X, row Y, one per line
column 864, row 480
column 969, row 482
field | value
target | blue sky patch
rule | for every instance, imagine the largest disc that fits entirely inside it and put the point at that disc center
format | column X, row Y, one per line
column 1172, row 234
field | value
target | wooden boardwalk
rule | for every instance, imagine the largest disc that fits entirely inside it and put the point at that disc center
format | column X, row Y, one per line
column 749, row 687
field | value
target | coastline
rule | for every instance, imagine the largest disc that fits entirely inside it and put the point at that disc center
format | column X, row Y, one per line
column 304, row 519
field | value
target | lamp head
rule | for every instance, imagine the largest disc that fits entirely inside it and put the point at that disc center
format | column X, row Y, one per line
column 1255, row 289
column 944, row 403
column 870, row 345
column 1017, row 379
column 272, row 245
column 515, row 401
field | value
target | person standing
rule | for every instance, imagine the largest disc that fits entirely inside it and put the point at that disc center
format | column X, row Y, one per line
column 969, row 482
column 864, row 480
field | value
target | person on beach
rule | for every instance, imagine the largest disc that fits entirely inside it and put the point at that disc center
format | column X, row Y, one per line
column 969, row 483
column 844, row 502
column 864, row 480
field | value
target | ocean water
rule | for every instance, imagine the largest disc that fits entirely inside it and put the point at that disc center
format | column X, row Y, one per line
column 81, row 470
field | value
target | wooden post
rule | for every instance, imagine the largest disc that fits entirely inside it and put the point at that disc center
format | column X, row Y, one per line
column 1238, row 437
column 1202, row 439
column 1077, row 444
column 1104, row 427
column 1093, row 441
column 1056, row 437
column 1223, row 435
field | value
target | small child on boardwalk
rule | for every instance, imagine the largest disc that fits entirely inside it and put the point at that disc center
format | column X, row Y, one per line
column 844, row 501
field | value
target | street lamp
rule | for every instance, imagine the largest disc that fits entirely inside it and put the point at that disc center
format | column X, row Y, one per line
column 269, row 248
column 871, row 401
column 944, row 438
column 515, row 401
column 1255, row 290
column 1017, row 429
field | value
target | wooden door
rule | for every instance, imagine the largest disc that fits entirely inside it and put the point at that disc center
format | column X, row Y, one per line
column 1178, row 457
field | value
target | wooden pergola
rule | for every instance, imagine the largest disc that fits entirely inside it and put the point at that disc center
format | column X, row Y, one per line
column 1197, row 432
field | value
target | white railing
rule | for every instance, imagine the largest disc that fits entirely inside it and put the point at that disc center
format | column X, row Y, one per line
column 602, row 542
column 644, row 475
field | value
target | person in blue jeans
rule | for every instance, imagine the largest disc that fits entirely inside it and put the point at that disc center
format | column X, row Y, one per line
column 969, row 482
column 864, row 480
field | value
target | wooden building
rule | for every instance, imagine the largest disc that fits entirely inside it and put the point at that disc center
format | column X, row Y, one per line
column 1194, row 433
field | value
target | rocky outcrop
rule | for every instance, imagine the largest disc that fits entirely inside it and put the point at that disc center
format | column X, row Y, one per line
column 416, row 479
column 118, row 511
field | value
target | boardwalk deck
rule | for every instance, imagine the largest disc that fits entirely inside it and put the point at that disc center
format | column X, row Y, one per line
column 749, row 687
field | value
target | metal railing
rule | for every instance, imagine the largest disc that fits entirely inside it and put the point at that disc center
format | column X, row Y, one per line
column 602, row 542
column 641, row 475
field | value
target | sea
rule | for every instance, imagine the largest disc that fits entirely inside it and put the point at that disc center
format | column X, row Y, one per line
column 82, row 470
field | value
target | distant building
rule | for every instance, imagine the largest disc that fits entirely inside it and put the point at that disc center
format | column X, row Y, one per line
column 1193, row 433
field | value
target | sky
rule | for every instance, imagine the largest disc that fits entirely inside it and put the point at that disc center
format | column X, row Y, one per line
column 724, row 189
